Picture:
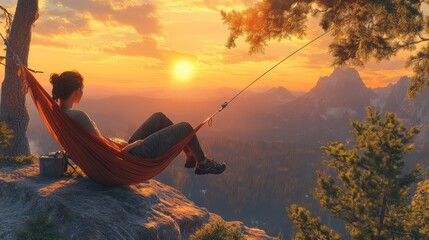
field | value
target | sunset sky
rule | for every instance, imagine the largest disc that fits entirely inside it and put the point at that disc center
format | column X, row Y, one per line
column 130, row 45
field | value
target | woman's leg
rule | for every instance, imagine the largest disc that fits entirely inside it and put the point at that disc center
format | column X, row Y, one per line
column 153, row 124
column 159, row 142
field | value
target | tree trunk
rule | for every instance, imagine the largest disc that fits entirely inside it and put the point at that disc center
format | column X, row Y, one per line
column 13, row 108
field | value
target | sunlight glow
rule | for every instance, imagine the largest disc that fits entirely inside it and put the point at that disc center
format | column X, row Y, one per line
column 183, row 70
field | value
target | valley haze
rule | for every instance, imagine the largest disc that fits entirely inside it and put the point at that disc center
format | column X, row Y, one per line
column 269, row 138
column 276, row 113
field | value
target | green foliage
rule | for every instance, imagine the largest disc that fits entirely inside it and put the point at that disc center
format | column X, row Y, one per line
column 420, row 63
column 419, row 211
column 38, row 228
column 5, row 135
column 310, row 228
column 21, row 160
column 217, row 230
column 361, row 30
column 253, row 22
column 370, row 191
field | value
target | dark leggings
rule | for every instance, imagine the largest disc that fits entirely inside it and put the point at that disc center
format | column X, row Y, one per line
column 159, row 134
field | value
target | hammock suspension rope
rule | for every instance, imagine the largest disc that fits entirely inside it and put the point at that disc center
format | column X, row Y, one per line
column 225, row 104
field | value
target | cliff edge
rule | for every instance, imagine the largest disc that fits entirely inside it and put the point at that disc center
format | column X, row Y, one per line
column 83, row 209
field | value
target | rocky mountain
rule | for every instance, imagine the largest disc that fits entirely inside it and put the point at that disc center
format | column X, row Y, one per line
column 343, row 89
column 413, row 112
column 324, row 112
column 83, row 209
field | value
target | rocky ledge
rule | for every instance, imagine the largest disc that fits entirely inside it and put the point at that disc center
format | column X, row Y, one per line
column 84, row 209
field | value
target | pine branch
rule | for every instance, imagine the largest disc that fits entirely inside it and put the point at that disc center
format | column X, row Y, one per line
column 399, row 233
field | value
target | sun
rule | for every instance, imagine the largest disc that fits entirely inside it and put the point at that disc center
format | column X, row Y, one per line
column 183, row 70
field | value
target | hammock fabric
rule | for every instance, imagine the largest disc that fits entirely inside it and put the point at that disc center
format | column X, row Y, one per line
column 99, row 158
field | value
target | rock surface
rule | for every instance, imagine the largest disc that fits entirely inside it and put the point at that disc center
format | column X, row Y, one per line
column 84, row 209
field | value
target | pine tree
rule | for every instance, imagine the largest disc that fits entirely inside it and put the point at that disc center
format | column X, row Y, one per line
column 5, row 135
column 310, row 228
column 370, row 190
column 419, row 211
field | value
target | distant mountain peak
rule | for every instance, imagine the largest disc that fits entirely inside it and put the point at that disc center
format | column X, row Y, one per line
column 280, row 91
column 345, row 71
column 341, row 78
column 342, row 81
column 271, row 97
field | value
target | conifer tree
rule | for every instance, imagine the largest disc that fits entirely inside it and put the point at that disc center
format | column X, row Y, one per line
column 419, row 210
column 369, row 191
column 310, row 228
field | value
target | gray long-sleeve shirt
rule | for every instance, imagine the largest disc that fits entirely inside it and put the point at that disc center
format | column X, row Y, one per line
column 83, row 119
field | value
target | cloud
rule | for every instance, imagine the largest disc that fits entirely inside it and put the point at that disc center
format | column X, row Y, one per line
column 142, row 17
column 55, row 22
column 37, row 40
column 71, row 17
column 214, row 5
column 147, row 47
column 236, row 57
column 9, row 4
column 226, row 4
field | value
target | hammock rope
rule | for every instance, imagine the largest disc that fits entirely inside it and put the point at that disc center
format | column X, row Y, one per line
column 225, row 104
column 15, row 56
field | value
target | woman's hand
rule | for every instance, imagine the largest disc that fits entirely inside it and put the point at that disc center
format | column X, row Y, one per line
column 132, row 145
column 118, row 141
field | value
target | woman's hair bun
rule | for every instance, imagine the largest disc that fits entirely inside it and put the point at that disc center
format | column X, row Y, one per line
column 54, row 78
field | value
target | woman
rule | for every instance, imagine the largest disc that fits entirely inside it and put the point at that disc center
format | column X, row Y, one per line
column 155, row 136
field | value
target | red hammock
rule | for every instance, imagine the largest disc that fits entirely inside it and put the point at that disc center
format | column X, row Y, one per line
column 98, row 157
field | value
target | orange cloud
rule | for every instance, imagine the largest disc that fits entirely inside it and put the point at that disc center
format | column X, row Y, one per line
column 235, row 57
column 37, row 40
column 214, row 5
column 55, row 22
column 147, row 47
column 142, row 17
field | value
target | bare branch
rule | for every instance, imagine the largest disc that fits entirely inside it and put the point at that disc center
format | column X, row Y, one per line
column 8, row 18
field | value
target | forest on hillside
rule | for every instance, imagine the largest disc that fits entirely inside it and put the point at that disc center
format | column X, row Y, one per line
column 262, row 179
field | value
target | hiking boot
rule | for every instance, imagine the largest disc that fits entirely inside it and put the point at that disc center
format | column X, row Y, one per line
column 190, row 162
column 210, row 167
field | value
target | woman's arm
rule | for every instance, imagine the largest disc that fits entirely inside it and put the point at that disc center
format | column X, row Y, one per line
column 132, row 145
column 120, row 142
